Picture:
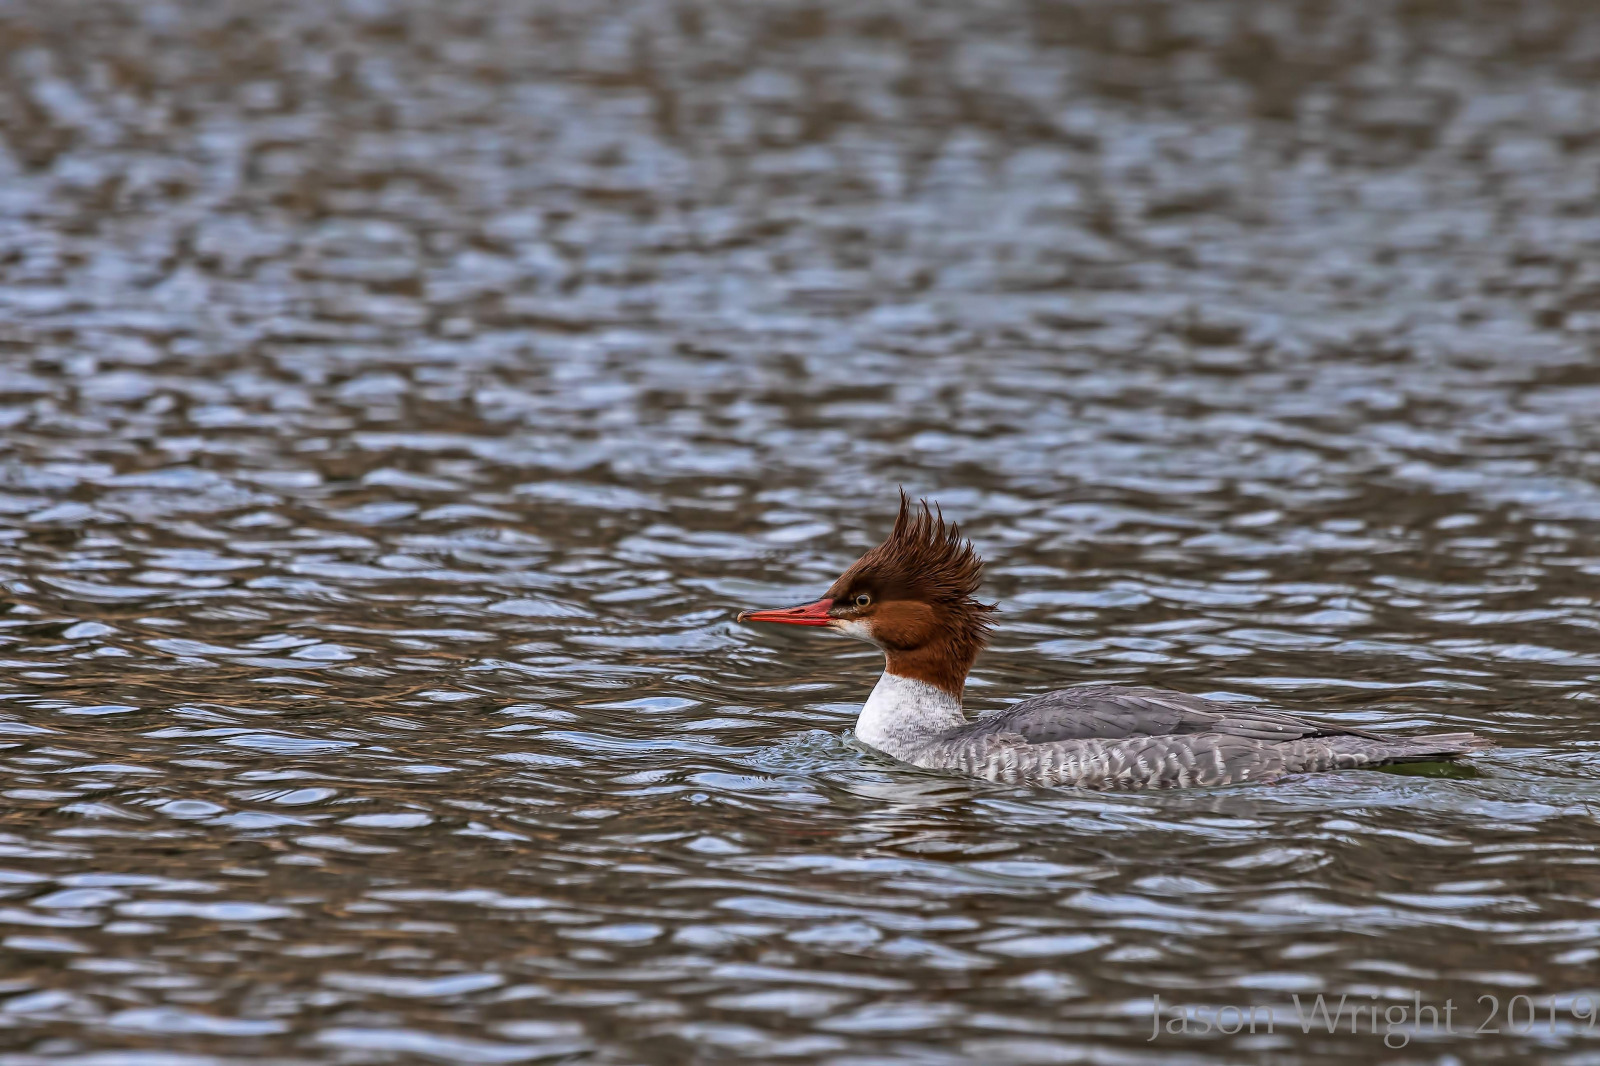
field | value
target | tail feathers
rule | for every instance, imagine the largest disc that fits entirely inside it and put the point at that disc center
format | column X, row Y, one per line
column 1439, row 746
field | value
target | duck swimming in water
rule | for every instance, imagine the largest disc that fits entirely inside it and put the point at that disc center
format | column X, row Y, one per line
column 912, row 596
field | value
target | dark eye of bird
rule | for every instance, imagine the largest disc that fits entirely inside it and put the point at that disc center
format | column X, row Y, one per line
column 863, row 599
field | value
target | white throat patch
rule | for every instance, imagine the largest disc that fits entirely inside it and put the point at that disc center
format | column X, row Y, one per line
column 903, row 714
column 854, row 627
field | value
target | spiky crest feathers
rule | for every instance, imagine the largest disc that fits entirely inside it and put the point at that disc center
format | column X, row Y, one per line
column 923, row 558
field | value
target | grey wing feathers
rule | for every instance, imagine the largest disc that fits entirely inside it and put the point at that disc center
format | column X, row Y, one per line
column 1112, row 737
column 1114, row 711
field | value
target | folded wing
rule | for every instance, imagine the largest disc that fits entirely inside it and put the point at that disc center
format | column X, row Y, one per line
column 1115, row 712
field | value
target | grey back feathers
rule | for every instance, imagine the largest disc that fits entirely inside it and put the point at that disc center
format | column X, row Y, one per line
column 1111, row 737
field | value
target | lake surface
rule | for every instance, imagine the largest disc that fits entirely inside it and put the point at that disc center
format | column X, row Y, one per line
column 399, row 400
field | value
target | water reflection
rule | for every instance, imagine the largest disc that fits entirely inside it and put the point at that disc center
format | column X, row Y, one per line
column 396, row 397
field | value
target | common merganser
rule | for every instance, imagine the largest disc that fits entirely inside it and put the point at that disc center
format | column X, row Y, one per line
column 912, row 596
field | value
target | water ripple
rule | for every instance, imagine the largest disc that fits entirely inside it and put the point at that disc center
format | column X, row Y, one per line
column 398, row 400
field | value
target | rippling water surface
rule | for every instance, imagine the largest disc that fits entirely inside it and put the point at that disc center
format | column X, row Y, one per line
column 400, row 398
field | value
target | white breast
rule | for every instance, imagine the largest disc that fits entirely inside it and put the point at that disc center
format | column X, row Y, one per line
column 901, row 715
